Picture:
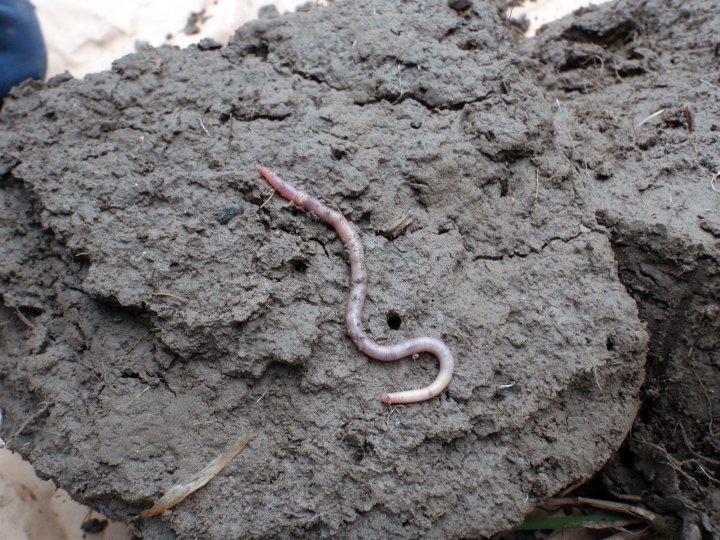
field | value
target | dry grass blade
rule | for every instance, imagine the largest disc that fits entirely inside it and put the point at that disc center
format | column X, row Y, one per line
column 179, row 492
column 624, row 508
column 653, row 115
column 43, row 407
column 398, row 228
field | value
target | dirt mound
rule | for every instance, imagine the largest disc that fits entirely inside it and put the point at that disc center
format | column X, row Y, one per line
column 638, row 88
column 164, row 311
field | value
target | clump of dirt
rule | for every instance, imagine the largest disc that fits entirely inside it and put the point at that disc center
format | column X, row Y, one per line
column 164, row 308
column 637, row 86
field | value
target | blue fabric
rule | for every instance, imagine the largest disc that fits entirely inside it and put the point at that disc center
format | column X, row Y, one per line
column 22, row 50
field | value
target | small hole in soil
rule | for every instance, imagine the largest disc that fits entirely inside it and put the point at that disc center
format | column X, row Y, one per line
column 504, row 188
column 610, row 343
column 394, row 320
column 299, row 265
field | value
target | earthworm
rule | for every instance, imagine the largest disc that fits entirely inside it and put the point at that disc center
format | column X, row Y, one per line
column 350, row 236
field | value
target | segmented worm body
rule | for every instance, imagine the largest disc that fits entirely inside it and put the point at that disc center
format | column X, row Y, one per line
column 358, row 289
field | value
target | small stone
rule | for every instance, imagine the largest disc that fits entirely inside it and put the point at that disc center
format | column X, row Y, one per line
column 459, row 5
column 225, row 215
column 604, row 171
column 208, row 44
column 268, row 12
column 57, row 80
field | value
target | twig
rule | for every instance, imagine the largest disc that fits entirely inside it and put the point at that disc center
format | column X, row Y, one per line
column 647, row 515
column 675, row 464
column 121, row 407
column 204, row 128
column 132, row 347
column 626, row 496
column 94, row 370
column 712, row 182
column 43, row 407
column 702, row 387
column 154, row 285
column 597, row 378
column 709, row 402
column 171, row 295
column 24, row 319
column 414, row 310
column 387, row 418
column 263, row 205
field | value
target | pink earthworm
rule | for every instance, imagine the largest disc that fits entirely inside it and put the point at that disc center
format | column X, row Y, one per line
column 359, row 282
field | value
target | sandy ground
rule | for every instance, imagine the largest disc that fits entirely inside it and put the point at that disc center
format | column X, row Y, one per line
column 84, row 37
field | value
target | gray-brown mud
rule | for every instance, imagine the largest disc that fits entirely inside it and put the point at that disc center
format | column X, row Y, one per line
column 638, row 90
column 162, row 311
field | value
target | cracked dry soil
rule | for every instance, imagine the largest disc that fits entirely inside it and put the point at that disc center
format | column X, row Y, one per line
column 163, row 311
